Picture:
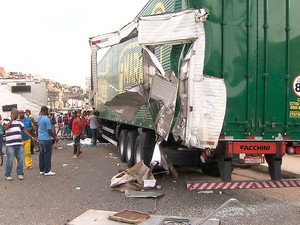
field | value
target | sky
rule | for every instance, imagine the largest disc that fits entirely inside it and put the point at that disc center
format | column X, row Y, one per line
column 50, row 37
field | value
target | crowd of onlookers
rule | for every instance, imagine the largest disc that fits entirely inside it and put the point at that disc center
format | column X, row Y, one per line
column 26, row 134
column 61, row 123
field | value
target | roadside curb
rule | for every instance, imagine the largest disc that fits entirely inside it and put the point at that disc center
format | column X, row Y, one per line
column 284, row 173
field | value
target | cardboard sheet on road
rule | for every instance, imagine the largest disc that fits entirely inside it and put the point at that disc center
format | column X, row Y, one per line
column 99, row 217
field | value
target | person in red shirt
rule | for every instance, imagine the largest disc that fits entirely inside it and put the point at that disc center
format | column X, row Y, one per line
column 84, row 122
column 77, row 131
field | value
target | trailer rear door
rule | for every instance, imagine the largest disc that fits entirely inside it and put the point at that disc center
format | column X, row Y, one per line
column 255, row 46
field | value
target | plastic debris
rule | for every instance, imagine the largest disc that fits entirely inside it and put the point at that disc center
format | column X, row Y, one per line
column 87, row 142
column 149, row 183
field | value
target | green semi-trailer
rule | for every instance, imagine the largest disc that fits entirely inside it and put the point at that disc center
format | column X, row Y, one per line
column 210, row 81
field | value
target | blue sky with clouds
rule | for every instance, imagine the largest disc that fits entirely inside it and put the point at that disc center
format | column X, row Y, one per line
column 50, row 38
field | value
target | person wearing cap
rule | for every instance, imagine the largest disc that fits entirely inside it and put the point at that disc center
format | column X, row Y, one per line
column 26, row 140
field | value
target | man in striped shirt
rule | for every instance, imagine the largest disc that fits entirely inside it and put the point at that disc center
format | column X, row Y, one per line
column 13, row 132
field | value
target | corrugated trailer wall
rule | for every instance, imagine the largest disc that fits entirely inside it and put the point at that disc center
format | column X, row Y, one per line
column 278, row 67
column 231, row 53
column 255, row 45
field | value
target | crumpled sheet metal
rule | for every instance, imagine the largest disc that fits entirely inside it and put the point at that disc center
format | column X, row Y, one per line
column 113, row 38
column 173, row 28
column 208, row 112
column 132, row 178
column 128, row 103
column 164, row 121
column 202, row 101
column 154, row 60
column 164, row 90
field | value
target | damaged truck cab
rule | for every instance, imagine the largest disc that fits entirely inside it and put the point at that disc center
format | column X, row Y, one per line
column 211, row 82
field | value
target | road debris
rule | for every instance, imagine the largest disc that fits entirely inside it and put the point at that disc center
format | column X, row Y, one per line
column 175, row 221
column 132, row 178
column 149, row 183
column 111, row 156
column 87, row 142
column 129, row 216
column 142, row 194
column 205, row 192
column 101, row 217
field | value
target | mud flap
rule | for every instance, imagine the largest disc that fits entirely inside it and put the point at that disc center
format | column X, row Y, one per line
column 225, row 167
column 274, row 163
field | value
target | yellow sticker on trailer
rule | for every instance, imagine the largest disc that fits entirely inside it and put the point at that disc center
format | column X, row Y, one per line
column 295, row 114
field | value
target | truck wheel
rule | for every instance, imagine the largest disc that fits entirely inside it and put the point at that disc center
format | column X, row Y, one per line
column 211, row 169
column 291, row 150
column 184, row 157
column 130, row 144
column 144, row 147
column 122, row 145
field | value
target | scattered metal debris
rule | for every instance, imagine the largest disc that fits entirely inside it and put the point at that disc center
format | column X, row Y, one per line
column 205, row 192
column 142, row 194
column 90, row 216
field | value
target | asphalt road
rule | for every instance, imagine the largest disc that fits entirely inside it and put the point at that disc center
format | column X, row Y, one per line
column 82, row 184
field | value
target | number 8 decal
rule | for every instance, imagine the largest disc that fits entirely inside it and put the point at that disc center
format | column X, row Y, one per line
column 296, row 85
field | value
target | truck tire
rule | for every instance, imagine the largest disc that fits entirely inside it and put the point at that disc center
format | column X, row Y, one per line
column 212, row 169
column 184, row 158
column 130, row 144
column 291, row 150
column 144, row 147
column 122, row 145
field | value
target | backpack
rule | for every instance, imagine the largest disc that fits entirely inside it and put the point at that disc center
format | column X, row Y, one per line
column 70, row 123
